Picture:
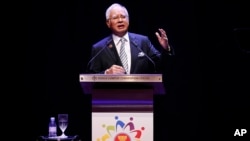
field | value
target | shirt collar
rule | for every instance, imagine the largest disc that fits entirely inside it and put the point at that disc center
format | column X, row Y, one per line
column 117, row 38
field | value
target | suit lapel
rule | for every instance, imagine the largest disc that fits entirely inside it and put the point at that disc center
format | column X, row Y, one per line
column 134, row 51
column 112, row 51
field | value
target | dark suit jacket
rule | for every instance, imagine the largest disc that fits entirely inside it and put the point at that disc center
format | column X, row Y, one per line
column 145, row 58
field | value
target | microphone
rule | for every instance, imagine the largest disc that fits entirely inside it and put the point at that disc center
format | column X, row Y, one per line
column 97, row 54
column 145, row 55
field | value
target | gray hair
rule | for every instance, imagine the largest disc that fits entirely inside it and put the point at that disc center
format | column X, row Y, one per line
column 113, row 6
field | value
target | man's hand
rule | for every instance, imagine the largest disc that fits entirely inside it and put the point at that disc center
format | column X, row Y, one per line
column 115, row 69
column 163, row 39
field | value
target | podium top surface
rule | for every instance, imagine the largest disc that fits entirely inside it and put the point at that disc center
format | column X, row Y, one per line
column 121, row 78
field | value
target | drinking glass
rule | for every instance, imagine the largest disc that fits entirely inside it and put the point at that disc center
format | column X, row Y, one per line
column 63, row 123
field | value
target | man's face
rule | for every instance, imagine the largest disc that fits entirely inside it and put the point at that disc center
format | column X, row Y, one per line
column 118, row 21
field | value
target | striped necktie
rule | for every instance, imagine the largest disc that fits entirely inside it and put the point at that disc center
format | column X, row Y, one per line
column 123, row 55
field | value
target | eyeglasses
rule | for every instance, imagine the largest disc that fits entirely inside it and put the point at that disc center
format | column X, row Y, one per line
column 116, row 17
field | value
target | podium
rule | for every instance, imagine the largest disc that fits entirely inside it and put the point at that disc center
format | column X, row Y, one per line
column 122, row 105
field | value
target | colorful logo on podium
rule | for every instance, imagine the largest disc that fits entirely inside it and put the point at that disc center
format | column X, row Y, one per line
column 121, row 131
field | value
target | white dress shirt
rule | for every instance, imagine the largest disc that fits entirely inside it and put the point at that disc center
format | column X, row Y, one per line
column 127, row 48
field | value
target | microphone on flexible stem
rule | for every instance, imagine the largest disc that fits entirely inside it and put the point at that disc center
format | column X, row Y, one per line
column 94, row 57
column 146, row 56
column 108, row 44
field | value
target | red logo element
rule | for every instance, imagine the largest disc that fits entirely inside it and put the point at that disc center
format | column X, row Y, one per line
column 122, row 137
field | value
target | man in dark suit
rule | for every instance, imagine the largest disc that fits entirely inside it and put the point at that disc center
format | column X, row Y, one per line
column 141, row 57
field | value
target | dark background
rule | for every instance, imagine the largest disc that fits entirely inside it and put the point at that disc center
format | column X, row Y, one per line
column 207, row 81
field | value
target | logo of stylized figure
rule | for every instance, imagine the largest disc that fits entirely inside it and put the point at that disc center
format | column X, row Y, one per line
column 121, row 131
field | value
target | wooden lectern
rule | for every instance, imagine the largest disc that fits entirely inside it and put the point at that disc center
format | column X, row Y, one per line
column 123, row 102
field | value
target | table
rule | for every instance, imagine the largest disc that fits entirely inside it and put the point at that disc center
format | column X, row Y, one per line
column 58, row 138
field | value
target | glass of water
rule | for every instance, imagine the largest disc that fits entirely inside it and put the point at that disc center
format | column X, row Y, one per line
column 63, row 123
